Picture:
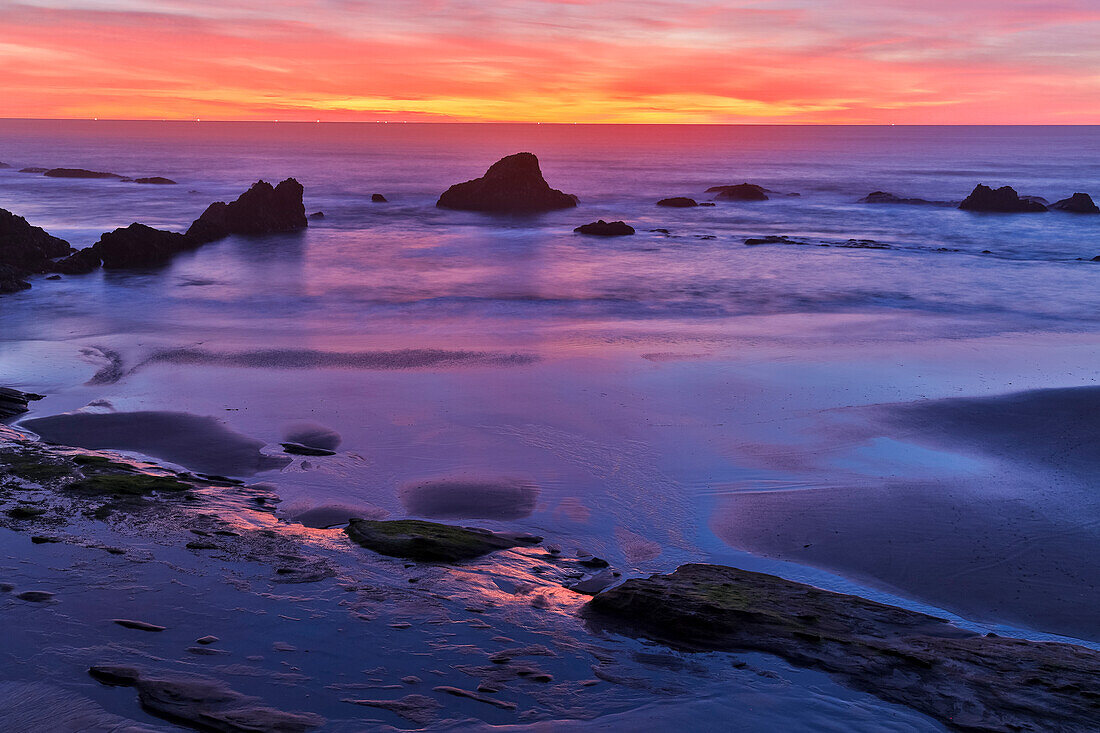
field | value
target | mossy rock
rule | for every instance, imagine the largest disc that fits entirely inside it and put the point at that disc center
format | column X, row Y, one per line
column 964, row 680
column 33, row 466
column 127, row 484
column 414, row 539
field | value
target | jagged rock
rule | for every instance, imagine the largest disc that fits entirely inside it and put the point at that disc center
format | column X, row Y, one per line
column 11, row 279
column 139, row 245
column 78, row 263
column 25, row 250
column 678, row 202
column 739, row 192
column 512, row 185
column 964, row 680
column 430, row 541
column 377, row 198
column 156, row 181
column 1078, row 203
column 203, row 703
column 77, row 173
column 1004, row 200
column 603, row 228
column 262, row 209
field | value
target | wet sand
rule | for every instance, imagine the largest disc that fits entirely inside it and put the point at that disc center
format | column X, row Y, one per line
column 1013, row 538
column 195, row 442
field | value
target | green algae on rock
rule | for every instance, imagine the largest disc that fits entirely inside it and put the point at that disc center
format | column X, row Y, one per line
column 127, row 484
column 966, row 681
column 430, row 541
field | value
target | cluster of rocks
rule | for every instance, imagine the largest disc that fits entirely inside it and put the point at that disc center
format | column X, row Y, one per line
column 1003, row 200
column 28, row 250
column 85, row 173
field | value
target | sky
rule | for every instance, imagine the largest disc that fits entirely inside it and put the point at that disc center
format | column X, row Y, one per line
column 637, row 61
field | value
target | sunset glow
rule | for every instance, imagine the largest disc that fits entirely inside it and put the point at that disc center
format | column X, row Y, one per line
column 794, row 61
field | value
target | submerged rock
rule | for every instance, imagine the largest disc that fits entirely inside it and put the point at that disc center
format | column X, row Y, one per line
column 739, row 192
column 429, row 541
column 1004, row 200
column 966, row 681
column 603, row 228
column 678, row 202
column 1078, row 203
column 203, row 703
column 262, row 209
column 138, row 245
column 512, row 185
column 77, row 173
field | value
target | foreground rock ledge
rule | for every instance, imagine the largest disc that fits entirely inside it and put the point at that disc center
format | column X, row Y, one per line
column 429, row 541
column 966, row 681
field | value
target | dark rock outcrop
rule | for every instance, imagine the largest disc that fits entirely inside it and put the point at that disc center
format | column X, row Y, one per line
column 603, row 228
column 33, row 169
column 678, row 202
column 25, row 250
column 966, row 681
column 78, row 263
column 156, row 181
column 377, row 198
column 1004, row 200
column 262, row 209
column 317, row 215
column 13, row 402
column 430, row 541
column 739, row 192
column 512, row 185
column 139, row 245
column 202, row 703
column 1078, row 203
column 77, row 173
column 882, row 197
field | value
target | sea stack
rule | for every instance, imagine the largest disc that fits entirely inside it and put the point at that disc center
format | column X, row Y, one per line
column 1004, row 200
column 262, row 209
column 512, row 185
column 1078, row 203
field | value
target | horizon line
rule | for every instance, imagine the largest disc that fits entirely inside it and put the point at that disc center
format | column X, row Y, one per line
column 539, row 123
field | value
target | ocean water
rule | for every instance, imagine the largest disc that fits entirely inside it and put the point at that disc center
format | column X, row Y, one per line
column 657, row 399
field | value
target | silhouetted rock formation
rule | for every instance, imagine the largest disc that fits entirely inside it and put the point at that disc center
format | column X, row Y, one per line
column 377, row 198
column 678, row 202
column 603, row 228
column 78, row 173
column 25, row 250
column 78, row 263
column 262, row 209
column 156, row 181
column 139, row 245
column 13, row 402
column 1078, row 203
column 739, row 192
column 512, row 185
column 33, row 170
column 1004, row 200
column 882, row 197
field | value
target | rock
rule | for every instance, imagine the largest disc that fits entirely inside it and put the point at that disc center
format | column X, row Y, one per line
column 311, row 434
column 512, row 185
column 769, row 239
column 156, row 181
column 603, row 228
column 740, row 192
column 429, row 541
column 1004, row 200
column 25, row 511
column 377, row 198
column 139, row 245
column 35, row 596
column 597, row 583
column 459, row 692
column 25, row 250
column 304, row 450
column 207, row 640
column 262, row 209
column 317, row 215
column 33, row 170
column 203, row 703
column 678, row 202
column 77, row 173
column 882, row 197
column 594, row 562
column 13, row 402
column 419, row 709
column 1078, row 203
column 78, row 263
column 4, row 165
column 137, row 625
column 962, row 679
